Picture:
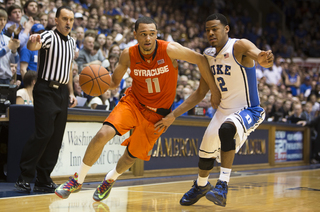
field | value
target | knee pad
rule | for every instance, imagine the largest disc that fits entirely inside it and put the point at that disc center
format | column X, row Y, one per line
column 206, row 163
column 226, row 135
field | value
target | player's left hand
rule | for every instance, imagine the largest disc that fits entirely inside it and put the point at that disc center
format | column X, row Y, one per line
column 72, row 101
column 265, row 59
column 164, row 123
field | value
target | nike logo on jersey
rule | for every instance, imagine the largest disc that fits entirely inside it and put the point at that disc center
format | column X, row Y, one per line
column 219, row 69
column 152, row 72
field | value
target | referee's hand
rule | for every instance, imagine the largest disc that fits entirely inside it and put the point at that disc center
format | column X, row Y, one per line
column 35, row 38
column 73, row 101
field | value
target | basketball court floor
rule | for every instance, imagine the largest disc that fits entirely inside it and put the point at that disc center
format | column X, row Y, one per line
column 287, row 189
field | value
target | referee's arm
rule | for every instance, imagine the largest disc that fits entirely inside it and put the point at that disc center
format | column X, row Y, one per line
column 34, row 42
column 72, row 98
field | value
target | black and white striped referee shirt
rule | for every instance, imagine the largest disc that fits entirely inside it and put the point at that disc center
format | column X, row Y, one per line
column 55, row 56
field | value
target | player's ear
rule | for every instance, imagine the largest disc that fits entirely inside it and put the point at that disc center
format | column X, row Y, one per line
column 227, row 28
column 135, row 34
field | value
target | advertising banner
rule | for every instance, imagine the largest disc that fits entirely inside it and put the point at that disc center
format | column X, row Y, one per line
column 288, row 146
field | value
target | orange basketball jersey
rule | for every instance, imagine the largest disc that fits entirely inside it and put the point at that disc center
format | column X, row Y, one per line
column 154, row 84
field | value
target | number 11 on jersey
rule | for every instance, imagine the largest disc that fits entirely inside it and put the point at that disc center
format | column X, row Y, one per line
column 156, row 84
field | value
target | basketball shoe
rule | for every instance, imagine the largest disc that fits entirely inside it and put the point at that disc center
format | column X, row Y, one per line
column 103, row 190
column 218, row 195
column 71, row 186
column 195, row 193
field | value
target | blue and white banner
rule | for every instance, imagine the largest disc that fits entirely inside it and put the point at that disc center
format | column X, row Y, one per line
column 288, row 146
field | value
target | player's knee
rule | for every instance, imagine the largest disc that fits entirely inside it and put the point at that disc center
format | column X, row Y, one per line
column 206, row 163
column 226, row 135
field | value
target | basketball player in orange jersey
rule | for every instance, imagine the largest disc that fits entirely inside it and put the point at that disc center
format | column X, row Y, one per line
column 154, row 70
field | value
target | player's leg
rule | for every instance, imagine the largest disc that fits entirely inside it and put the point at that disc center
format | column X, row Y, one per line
column 92, row 154
column 124, row 163
column 233, row 133
column 218, row 195
column 200, row 186
column 207, row 154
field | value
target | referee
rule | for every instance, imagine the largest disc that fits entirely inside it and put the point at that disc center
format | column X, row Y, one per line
column 52, row 94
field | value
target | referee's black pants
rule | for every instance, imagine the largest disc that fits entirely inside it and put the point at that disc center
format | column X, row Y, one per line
column 42, row 149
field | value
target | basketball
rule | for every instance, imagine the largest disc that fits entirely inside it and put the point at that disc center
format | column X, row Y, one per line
column 94, row 80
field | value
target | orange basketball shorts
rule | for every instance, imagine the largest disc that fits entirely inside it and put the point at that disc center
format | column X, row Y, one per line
column 130, row 114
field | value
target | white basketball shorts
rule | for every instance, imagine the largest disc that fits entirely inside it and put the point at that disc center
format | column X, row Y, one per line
column 245, row 120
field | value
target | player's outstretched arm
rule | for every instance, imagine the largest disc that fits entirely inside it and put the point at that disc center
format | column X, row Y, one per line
column 120, row 69
column 247, row 48
column 189, row 103
column 179, row 52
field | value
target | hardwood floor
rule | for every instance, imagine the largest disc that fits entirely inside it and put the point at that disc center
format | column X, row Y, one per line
column 284, row 191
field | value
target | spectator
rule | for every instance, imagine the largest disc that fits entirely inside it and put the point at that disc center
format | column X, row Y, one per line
column 30, row 9
column 80, row 37
column 277, row 112
column 43, row 19
column 305, row 87
column 297, row 114
column 51, row 20
column 115, row 49
column 307, row 111
column 29, row 59
column 103, row 25
column 85, row 55
column 14, row 17
column 8, row 51
column 113, row 60
column 78, row 18
column 78, row 92
column 24, row 95
column 186, row 92
column 315, row 105
column 101, row 39
column 104, row 99
column 292, row 79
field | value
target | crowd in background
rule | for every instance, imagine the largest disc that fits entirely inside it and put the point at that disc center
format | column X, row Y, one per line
column 103, row 28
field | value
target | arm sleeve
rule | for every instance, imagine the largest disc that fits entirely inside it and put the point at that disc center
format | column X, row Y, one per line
column 46, row 39
column 4, row 51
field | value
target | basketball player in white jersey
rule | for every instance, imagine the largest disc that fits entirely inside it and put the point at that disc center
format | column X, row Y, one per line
column 232, row 62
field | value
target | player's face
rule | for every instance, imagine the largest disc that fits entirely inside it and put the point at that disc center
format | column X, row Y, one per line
column 65, row 21
column 146, row 36
column 217, row 33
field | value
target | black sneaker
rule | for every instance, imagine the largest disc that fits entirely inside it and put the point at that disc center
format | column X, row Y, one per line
column 45, row 187
column 22, row 185
column 218, row 195
column 195, row 193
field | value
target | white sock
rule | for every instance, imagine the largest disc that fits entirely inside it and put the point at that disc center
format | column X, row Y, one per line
column 224, row 174
column 202, row 181
column 113, row 174
column 83, row 172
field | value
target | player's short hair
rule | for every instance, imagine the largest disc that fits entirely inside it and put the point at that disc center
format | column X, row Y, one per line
column 60, row 8
column 144, row 20
column 218, row 16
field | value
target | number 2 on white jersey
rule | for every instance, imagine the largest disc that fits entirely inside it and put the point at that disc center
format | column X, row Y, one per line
column 156, row 85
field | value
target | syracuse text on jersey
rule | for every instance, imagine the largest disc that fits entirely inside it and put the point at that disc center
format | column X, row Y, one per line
column 151, row 72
